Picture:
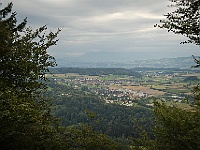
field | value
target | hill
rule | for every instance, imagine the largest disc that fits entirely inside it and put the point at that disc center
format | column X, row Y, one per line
column 180, row 62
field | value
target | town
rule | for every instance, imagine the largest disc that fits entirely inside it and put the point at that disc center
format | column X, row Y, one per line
column 170, row 86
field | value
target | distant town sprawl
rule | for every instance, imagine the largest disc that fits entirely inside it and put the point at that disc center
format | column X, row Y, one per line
column 167, row 85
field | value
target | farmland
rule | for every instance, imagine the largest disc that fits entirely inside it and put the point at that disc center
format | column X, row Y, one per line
column 173, row 86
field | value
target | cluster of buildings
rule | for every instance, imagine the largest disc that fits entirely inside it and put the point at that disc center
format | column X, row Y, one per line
column 102, row 89
column 119, row 95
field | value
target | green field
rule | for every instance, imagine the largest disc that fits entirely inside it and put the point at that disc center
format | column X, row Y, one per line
column 169, row 87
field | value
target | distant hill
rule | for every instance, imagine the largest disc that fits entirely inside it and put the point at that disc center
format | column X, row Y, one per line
column 180, row 62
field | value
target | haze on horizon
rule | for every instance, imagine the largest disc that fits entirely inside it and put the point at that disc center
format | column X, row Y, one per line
column 105, row 28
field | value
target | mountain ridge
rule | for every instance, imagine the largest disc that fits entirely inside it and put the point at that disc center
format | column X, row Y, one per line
column 179, row 62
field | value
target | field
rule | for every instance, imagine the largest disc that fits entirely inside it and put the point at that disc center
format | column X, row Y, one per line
column 154, row 85
column 145, row 89
column 173, row 87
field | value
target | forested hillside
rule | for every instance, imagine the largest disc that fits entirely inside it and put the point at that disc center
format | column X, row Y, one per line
column 96, row 71
column 112, row 119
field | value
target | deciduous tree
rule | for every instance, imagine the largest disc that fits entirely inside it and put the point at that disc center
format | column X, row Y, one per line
column 176, row 128
column 184, row 20
column 25, row 119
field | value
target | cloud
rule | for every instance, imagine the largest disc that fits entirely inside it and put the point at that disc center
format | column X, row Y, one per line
column 102, row 25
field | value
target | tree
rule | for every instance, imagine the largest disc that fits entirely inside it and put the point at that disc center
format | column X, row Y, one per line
column 83, row 137
column 175, row 128
column 25, row 118
column 24, row 59
column 184, row 20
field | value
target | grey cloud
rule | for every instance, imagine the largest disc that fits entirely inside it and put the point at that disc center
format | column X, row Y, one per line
column 102, row 25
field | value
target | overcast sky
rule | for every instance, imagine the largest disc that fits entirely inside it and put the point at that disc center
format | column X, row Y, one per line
column 90, row 26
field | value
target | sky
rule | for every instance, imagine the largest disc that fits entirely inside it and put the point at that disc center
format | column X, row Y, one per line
column 109, row 27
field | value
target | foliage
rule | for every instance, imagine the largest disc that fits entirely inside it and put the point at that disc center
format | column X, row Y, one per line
column 173, row 129
column 176, row 128
column 25, row 119
column 196, row 93
column 83, row 137
column 24, row 59
column 113, row 119
column 184, row 20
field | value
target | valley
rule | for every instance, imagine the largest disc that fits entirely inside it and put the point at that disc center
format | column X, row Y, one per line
column 169, row 85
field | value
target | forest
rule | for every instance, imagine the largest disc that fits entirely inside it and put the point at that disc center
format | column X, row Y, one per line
column 96, row 71
column 41, row 113
column 112, row 119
